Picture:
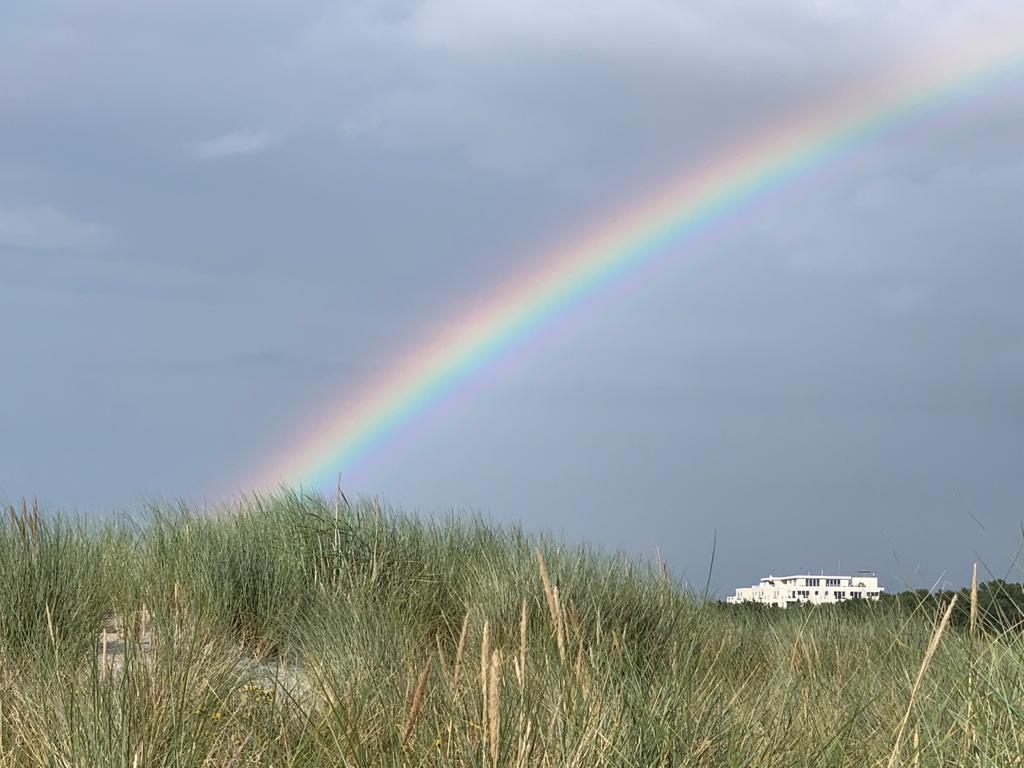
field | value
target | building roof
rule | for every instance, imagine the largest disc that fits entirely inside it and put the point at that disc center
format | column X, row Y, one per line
column 862, row 574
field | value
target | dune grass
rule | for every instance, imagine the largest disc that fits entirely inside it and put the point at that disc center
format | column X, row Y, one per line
column 296, row 631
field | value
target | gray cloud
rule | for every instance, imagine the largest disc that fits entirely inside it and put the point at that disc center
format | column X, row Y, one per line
column 521, row 87
column 229, row 144
column 43, row 227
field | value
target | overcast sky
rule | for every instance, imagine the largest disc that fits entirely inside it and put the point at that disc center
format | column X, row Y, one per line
column 218, row 217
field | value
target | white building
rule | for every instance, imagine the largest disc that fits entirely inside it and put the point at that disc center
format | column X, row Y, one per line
column 817, row 589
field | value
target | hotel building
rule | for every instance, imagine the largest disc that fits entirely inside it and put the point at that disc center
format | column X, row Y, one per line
column 817, row 589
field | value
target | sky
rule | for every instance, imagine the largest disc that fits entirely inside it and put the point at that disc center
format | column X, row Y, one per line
column 219, row 218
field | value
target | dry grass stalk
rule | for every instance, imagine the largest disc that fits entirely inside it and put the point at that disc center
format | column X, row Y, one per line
column 494, row 706
column 521, row 669
column 974, row 599
column 485, row 665
column 178, row 613
column 33, row 522
column 524, row 745
column 445, row 671
column 933, row 645
column 21, row 521
column 972, row 735
column 553, row 721
column 663, row 571
column 418, row 697
column 554, row 605
column 50, row 627
column 549, row 593
column 969, row 724
column 460, row 650
column 339, row 498
column 559, row 624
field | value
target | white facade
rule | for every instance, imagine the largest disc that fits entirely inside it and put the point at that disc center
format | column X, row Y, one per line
column 817, row 589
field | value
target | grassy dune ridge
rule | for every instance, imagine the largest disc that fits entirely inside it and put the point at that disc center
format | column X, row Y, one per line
column 296, row 631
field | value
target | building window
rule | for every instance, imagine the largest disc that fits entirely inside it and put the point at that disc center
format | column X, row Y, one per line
column 831, row 582
column 813, row 582
column 855, row 595
column 840, row 595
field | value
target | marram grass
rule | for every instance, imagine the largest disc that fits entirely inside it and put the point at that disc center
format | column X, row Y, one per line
column 293, row 631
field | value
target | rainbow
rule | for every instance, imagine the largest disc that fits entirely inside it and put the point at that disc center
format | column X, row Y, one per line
column 347, row 432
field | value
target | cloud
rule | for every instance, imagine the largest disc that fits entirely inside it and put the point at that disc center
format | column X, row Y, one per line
column 904, row 299
column 788, row 35
column 44, row 227
column 231, row 144
column 361, row 124
column 556, row 90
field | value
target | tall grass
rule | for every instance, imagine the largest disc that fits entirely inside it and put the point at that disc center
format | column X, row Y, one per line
column 297, row 631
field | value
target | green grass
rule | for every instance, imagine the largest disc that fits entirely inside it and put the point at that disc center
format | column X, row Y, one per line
column 292, row 631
